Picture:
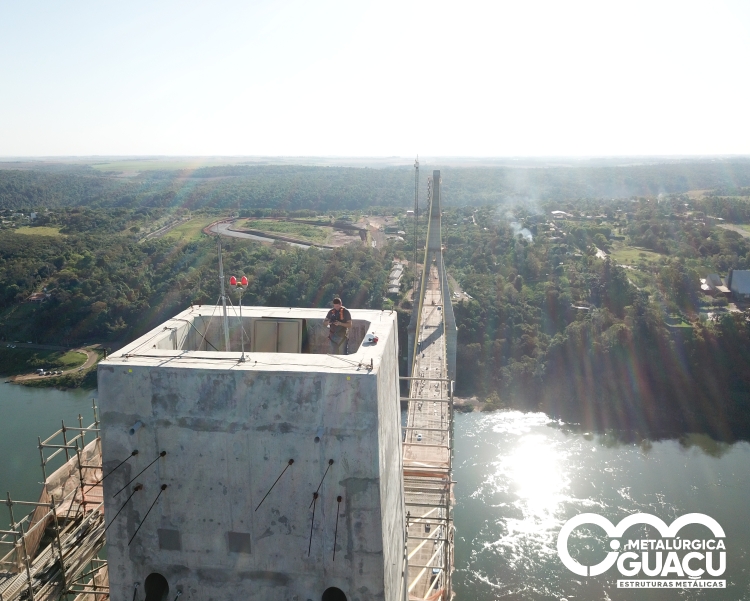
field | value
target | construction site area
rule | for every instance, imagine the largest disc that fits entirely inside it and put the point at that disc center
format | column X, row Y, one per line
column 238, row 457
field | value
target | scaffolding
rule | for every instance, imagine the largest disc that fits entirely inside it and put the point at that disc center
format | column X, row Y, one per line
column 52, row 552
column 427, row 456
column 428, row 493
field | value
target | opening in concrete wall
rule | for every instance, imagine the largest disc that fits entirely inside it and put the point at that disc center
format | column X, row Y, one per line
column 271, row 334
column 333, row 594
column 157, row 587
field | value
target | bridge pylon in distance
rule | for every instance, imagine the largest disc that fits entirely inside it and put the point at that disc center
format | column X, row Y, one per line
column 428, row 435
column 434, row 258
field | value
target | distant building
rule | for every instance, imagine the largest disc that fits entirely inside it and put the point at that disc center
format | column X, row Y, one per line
column 394, row 279
column 38, row 297
column 714, row 284
column 410, row 213
column 738, row 282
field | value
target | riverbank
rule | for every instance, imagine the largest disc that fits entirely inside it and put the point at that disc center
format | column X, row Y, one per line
column 76, row 367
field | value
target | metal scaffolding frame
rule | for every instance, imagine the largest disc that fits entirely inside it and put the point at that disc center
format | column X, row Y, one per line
column 52, row 547
column 428, row 492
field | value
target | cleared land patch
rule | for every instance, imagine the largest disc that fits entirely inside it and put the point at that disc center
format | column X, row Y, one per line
column 42, row 230
column 190, row 230
column 303, row 231
column 26, row 360
column 632, row 255
column 742, row 229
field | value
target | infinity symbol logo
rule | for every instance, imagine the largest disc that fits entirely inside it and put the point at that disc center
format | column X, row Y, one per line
column 615, row 532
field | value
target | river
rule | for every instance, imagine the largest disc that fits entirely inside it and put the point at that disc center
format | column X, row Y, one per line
column 520, row 477
column 28, row 413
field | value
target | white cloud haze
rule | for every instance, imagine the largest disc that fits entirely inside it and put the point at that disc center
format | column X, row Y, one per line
column 374, row 78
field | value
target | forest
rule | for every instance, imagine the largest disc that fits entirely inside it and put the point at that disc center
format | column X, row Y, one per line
column 639, row 347
column 346, row 188
column 594, row 315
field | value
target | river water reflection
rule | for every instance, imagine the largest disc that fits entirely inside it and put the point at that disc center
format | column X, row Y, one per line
column 521, row 476
column 26, row 413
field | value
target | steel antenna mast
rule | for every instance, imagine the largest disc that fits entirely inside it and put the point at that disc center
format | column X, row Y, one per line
column 223, row 299
column 416, row 220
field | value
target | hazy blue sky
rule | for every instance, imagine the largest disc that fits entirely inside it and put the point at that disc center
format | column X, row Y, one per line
column 381, row 78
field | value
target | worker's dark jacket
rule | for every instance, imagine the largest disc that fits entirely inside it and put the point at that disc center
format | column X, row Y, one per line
column 338, row 333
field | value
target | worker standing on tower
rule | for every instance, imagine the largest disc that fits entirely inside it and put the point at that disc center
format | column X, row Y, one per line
column 338, row 320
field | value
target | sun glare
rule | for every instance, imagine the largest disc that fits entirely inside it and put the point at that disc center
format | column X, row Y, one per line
column 537, row 476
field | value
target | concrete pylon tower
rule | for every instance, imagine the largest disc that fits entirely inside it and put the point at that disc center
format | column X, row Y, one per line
column 279, row 477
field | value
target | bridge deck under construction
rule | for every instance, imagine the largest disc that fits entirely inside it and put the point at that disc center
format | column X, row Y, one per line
column 427, row 455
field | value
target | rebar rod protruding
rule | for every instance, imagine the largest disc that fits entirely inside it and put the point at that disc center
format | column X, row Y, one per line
column 312, row 523
column 291, row 461
column 336, row 530
column 163, row 488
column 330, row 463
column 133, row 454
column 162, row 454
column 130, row 496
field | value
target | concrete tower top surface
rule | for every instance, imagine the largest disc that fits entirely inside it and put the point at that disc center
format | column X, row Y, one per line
column 275, row 339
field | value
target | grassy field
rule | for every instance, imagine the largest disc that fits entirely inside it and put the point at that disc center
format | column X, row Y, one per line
column 639, row 278
column 38, row 231
column 295, row 230
column 741, row 228
column 26, row 360
column 71, row 359
column 189, row 230
column 631, row 255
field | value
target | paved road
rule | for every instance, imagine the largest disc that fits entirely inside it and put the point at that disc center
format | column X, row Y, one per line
column 223, row 229
column 163, row 230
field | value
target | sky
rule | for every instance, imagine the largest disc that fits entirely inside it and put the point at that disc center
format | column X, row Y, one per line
column 374, row 79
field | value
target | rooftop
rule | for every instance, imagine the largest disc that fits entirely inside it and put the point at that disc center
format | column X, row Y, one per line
column 277, row 339
column 740, row 281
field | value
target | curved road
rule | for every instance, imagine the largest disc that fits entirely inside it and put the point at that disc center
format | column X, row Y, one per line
column 223, row 229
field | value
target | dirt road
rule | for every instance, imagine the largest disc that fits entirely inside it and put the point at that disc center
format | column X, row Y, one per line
column 91, row 359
